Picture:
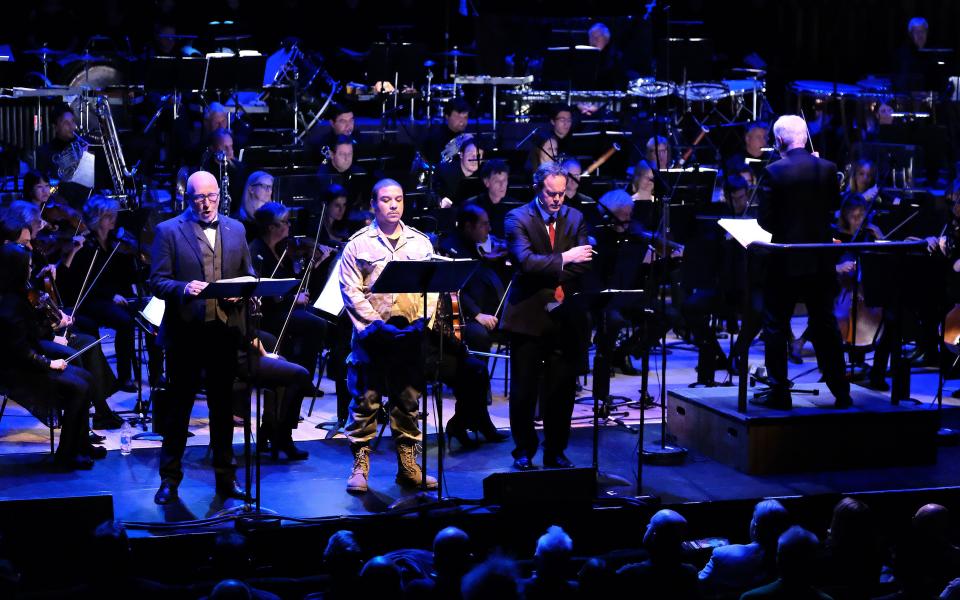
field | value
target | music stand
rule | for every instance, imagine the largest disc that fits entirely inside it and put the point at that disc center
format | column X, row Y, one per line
column 598, row 301
column 248, row 287
column 427, row 277
column 572, row 67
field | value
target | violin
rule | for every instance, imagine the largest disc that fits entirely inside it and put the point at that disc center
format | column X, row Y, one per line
column 302, row 250
column 45, row 304
column 61, row 216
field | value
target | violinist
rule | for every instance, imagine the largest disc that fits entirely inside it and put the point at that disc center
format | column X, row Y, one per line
column 480, row 298
column 642, row 185
column 257, row 192
column 276, row 254
column 544, row 150
column 99, row 278
column 22, row 222
column 334, row 227
column 34, row 378
column 863, row 180
column 495, row 175
column 36, row 187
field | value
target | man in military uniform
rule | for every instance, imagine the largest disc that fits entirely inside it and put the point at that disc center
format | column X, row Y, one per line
column 385, row 352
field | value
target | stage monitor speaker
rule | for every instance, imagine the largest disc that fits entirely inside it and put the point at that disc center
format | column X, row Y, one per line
column 548, row 486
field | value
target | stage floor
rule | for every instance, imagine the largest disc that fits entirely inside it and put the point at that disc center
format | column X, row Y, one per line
column 315, row 487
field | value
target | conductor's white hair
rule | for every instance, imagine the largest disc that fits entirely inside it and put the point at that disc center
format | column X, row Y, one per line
column 791, row 130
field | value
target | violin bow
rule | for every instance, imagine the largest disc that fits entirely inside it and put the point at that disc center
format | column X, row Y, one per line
column 304, row 281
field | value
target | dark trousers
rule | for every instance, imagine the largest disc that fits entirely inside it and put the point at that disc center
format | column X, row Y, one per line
column 71, row 390
column 477, row 337
column 467, row 376
column 281, row 410
column 780, row 295
column 92, row 361
column 210, row 349
column 540, row 368
column 118, row 318
column 303, row 339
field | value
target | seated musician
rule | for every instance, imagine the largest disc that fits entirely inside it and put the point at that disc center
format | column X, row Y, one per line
column 561, row 124
column 863, row 180
column 456, row 116
column 335, row 227
column 495, row 175
column 32, row 378
column 341, row 120
column 543, row 150
column 275, row 254
column 714, row 283
column 36, row 187
column 658, row 153
column 450, row 176
column 103, row 273
column 60, row 157
column 340, row 159
column 574, row 198
column 612, row 74
column 480, row 299
column 257, row 192
column 22, row 220
column 221, row 160
column 755, row 139
column 642, row 184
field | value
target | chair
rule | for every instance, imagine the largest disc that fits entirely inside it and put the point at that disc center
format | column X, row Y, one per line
column 52, row 421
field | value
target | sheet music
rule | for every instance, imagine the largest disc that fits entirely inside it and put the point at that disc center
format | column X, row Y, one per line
column 745, row 231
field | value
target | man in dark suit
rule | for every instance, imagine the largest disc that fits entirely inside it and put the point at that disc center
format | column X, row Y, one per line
column 547, row 242
column 797, row 200
column 192, row 250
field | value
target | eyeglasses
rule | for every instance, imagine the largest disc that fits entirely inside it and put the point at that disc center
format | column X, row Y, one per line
column 268, row 186
column 209, row 198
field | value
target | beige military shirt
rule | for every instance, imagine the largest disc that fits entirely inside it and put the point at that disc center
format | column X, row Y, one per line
column 364, row 257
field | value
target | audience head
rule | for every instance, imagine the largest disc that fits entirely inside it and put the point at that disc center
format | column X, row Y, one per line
column 343, row 557
column 230, row 555
column 231, row 589
column 770, row 520
column 495, row 577
column 797, row 551
column 595, row 579
column 381, row 578
column 554, row 550
column 451, row 552
column 664, row 535
column 932, row 523
column 852, row 526
column 790, row 132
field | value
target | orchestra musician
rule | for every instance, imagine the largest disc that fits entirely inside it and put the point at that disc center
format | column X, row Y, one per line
column 863, row 180
column 35, row 379
column 796, row 199
column 342, row 123
column 60, row 157
column 200, row 336
column 341, row 159
column 450, row 176
column 574, row 197
column 385, row 356
column 643, row 182
column 334, row 227
column 221, row 160
column 543, row 150
column 277, row 255
column 257, row 192
column 561, row 124
column 753, row 156
column 547, row 242
column 495, row 175
column 456, row 117
column 36, row 187
column 658, row 152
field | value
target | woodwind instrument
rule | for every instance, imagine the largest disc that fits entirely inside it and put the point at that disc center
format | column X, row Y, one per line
column 603, row 158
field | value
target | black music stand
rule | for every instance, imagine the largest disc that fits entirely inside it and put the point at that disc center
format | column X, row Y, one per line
column 247, row 288
column 599, row 300
column 427, row 277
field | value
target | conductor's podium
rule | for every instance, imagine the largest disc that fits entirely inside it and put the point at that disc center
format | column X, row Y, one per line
column 813, row 436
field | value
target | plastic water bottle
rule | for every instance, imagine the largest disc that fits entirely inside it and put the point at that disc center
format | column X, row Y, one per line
column 126, row 439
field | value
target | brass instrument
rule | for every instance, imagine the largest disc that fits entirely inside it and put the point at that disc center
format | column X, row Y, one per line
column 68, row 159
column 120, row 176
column 453, row 147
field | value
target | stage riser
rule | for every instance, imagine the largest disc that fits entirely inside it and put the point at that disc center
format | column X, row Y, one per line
column 827, row 441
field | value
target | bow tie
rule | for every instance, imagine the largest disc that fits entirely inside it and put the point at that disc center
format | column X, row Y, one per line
column 214, row 225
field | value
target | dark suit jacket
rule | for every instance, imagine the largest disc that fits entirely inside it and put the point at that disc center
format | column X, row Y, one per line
column 540, row 269
column 177, row 260
column 798, row 197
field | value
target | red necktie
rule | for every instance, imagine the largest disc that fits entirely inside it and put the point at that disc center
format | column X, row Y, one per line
column 557, row 293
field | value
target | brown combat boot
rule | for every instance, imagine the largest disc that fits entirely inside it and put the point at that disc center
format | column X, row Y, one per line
column 408, row 471
column 357, row 482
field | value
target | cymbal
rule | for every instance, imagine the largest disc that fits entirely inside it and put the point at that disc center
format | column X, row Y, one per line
column 86, row 57
column 454, row 54
column 176, row 36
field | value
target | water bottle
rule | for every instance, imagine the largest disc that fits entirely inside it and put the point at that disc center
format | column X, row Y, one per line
column 126, row 439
